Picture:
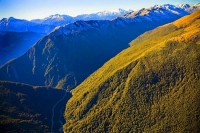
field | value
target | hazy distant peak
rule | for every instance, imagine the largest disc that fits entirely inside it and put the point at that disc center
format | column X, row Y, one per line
column 7, row 19
column 124, row 11
column 11, row 18
column 22, row 25
column 58, row 17
column 121, row 10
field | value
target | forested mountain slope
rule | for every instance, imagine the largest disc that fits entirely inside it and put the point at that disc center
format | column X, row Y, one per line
column 153, row 86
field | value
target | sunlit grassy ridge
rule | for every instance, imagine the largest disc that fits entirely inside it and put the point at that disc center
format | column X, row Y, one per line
column 153, row 86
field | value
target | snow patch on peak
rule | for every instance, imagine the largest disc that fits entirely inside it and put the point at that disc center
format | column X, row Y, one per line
column 58, row 17
column 183, row 5
column 165, row 6
column 189, row 8
column 122, row 11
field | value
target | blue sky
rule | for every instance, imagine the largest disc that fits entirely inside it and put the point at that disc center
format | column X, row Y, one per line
column 31, row 9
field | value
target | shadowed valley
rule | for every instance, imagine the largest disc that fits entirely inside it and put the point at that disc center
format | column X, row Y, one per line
column 26, row 108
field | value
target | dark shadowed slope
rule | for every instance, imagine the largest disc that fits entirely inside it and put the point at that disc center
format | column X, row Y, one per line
column 25, row 108
column 153, row 86
column 69, row 54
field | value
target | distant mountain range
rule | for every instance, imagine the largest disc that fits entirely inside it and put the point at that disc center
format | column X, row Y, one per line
column 59, row 20
column 70, row 53
column 151, row 87
column 47, row 24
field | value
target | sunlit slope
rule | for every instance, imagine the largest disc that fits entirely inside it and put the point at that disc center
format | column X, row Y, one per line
column 153, row 86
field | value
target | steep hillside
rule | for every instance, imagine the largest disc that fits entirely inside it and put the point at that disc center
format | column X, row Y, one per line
column 153, row 86
column 14, row 44
column 25, row 108
column 70, row 53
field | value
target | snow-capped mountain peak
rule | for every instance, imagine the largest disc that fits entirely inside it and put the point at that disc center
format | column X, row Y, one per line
column 122, row 11
column 104, row 15
column 158, row 11
column 58, row 17
column 189, row 8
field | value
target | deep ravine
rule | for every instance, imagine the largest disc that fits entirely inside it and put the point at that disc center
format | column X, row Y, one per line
column 57, row 114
